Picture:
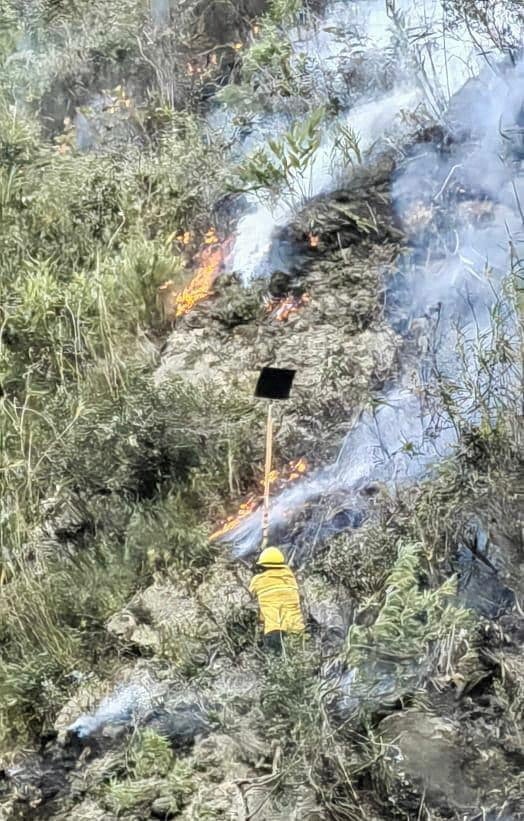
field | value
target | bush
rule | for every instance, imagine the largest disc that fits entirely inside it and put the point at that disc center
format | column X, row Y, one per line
column 153, row 772
column 149, row 755
column 412, row 621
column 359, row 559
column 115, row 477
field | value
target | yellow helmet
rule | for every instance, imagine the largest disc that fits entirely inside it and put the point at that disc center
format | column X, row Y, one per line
column 271, row 556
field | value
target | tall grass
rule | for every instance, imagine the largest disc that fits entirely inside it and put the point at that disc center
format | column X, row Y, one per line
column 104, row 476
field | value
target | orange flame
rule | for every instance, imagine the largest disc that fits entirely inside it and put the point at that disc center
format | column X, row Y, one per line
column 247, row 507
column 282, row 309
column 184, row 238
column 201, row 286
column 290, row 473
column 313, row 240
column 210, row 260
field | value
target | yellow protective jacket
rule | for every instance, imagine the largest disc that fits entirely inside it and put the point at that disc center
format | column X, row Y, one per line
column 277, row 592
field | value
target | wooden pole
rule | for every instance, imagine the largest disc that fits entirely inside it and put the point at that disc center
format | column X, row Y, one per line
column 267, row 473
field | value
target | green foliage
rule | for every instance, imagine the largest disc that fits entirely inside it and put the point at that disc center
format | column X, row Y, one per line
column 266, row 72
column 345, row 145
column 123, row 442
column 359, row 559
column 283, row 166
column 268, row 55
column 64, row 36
column 173, row 532
column 284, row 11
column 181, row 783
column 488, row 18
column 410, row 618
column 124, row 467
column 51, row 623
column 291, row 695
column 153, row 772
column 85, row 241
column 122, row 796
column 149, row 755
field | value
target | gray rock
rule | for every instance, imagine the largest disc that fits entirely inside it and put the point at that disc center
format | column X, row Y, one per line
column 425, row 756
column 163, row 807
column 378, row 684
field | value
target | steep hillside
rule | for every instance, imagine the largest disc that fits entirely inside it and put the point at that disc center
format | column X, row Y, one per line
column 190, row 191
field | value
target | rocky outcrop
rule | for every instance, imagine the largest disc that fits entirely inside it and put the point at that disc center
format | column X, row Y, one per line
column 425, row 755
column 430, row 756
column 340, row 356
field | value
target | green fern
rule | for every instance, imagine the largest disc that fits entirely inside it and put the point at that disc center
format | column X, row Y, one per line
column 410, row 618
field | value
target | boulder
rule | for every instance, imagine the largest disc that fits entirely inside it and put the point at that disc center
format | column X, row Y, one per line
column 378, row 685
column 482, row 566
column 221, row 757
column 162, row 807
column 457, row 767
column 223, row 594
column 239, row 683
column 480, row 587
column 426, row 758
column 163, row 617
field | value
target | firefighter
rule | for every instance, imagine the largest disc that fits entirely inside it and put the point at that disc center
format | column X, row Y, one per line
column 278, row 598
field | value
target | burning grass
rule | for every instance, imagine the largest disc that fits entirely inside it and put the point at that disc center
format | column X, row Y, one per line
column 277, row 480
column 282, row 309
column 210, row 262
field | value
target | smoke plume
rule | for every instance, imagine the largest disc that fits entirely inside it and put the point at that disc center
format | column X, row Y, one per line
column 459, row 200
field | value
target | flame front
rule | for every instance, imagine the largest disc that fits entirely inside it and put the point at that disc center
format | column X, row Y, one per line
column 282, row 309
column 291, row 472
column 209, row 262
column 247, row 507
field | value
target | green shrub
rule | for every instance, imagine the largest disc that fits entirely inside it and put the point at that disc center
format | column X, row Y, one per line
column 291, row 695
column 149, row 755
column 181, row 783
column 411, row 619
column 283, row 166
column 360, row 559
column 51, row 624
column 270, row 53
column 284, row 11
column 153, row 772
column 122, row 796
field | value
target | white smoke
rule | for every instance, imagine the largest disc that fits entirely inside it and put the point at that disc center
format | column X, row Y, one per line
column 395, row 443
column 402, row 439
column 370, row 121
column 426, row 75
column 127, row 704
